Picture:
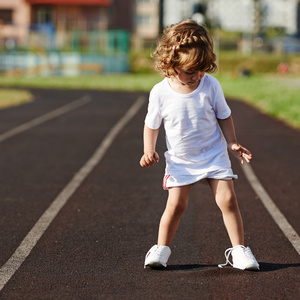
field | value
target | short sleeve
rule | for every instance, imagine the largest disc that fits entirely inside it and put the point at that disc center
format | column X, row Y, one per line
column 153, row 118
column 221, row 108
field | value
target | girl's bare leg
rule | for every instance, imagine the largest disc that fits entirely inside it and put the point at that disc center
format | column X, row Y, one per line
column 176, row 205
column 227, row 202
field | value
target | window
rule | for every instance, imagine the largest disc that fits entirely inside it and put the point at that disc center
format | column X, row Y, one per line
column 6, row 16
column 45, row 15
column 42, row 14
column 145, row 19
column 91, row 16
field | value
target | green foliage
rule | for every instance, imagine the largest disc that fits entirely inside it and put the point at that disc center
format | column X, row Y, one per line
column 256, row 63
column 116, row 82
column 141, row 62
column 271, row 95
column 229, row 62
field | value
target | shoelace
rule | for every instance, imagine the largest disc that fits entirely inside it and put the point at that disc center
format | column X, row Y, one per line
column 156, row 249
column 161, row 250
column 227, row 253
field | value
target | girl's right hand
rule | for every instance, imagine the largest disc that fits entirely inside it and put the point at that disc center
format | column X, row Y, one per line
column 149, row 159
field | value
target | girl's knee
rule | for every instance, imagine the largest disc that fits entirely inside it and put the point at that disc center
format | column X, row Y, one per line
column 178, row 208
column 227, row 201
column 178, row 200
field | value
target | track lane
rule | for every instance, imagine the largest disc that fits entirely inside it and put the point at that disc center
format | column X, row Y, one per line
column 95, row 248
column 31, row 239
column 37, row 164
column 44, row 102
column 276, row 162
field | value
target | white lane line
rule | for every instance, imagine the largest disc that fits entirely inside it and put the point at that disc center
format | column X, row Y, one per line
column 44, row 118
column 271, row 207
column 26, row 246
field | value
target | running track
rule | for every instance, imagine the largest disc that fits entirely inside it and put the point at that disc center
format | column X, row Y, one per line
column 78, row 214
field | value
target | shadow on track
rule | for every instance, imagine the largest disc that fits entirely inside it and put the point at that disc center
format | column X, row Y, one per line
column 269, row 267
column 264, row 267
column 186, row 267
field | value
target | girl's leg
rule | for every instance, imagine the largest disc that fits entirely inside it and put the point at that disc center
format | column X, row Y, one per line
column 176, row 205
column 227, row 202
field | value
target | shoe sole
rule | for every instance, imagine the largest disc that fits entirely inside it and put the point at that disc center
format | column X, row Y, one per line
column 249, row 268
column 155, row 265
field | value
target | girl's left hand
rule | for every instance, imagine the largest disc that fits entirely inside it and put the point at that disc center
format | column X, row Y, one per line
column 241, row 152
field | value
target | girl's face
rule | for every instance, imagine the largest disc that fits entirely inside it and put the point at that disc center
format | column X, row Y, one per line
column 189, row 78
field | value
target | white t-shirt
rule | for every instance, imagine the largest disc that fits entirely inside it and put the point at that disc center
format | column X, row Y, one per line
column 194, row 141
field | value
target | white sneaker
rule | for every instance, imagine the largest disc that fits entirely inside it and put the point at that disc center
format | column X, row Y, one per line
column 242, row 258
column 157, row 257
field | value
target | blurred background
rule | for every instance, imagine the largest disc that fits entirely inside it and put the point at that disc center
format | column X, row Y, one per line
column 75, row 37
column 106, row 45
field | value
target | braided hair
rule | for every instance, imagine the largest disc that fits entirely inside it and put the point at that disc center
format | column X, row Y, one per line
column 186, row 44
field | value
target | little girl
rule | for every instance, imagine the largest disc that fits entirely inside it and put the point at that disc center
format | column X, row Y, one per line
column 198, row 124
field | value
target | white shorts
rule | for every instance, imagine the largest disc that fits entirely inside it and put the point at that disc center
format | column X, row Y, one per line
column 173, row 181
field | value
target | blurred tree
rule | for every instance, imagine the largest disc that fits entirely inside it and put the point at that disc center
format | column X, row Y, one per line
column 161, row 16
column 258, row 17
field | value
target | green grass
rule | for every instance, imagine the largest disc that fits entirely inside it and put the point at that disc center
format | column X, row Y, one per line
column 117, row 82
column 272, row 95
column 14, row 97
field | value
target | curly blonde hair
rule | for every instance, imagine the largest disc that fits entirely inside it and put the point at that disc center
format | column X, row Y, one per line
column 186, row 44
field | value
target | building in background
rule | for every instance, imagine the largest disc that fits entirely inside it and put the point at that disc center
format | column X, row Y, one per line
column 146, row 23
column 65, row 36
column 19, row 17
column 141, row 17
column 121, row 15
column 151, row 16
column 14, row 21
column 59, row 19
column 99, row 32
column 66, row 15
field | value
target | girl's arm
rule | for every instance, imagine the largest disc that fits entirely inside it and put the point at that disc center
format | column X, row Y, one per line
column 150, row 156
column 228, row 130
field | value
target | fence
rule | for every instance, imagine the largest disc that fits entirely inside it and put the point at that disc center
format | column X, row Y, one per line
column 45, row 52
